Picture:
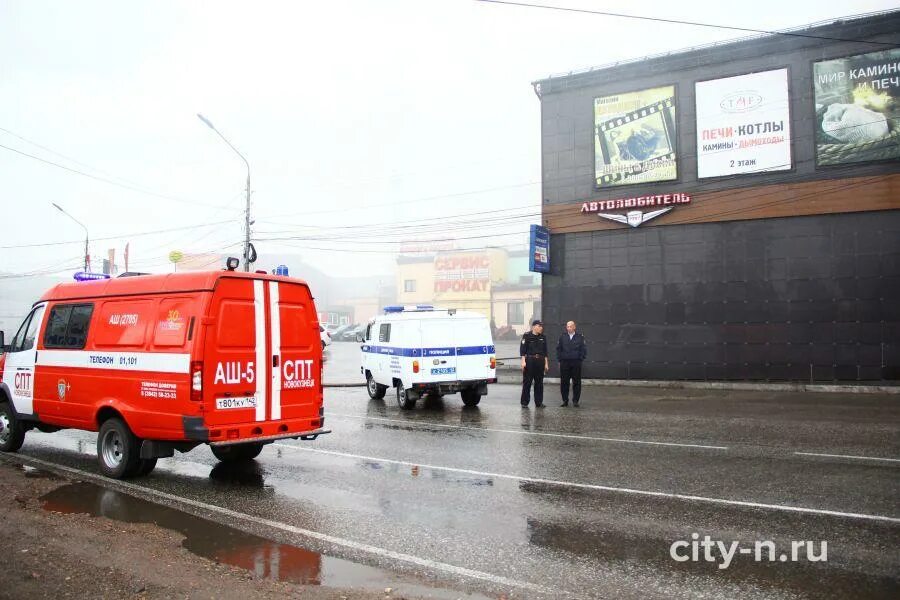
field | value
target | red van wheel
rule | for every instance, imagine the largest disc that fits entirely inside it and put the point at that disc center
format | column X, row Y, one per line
column 12, row 434
column 147, row 465
column 118, row 450
column 237, row 452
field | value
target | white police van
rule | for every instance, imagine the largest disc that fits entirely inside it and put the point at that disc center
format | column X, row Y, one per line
column 419, row 350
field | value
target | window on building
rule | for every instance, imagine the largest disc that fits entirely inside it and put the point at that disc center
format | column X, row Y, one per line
column 409, row 285
column 384, row 333
column 515, row 313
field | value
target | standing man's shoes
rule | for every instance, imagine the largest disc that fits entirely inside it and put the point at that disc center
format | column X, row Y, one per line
column 575, row 404
column 566, row 404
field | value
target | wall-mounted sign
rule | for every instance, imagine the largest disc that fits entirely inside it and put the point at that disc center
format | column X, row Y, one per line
column 743, row 124
column 462, row 273
column 858, row 108
column 634, row 137
column 539, row 250
column 635, row 217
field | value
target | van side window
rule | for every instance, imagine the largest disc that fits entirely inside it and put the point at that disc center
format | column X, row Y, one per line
column 384, row 333
column 24, row 339
column 32, row 330
column 67, row 326
column 55, row 336
column 20, row 335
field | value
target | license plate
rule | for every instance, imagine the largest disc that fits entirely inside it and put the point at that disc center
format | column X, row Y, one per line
column 228, row 403
column 444, row 371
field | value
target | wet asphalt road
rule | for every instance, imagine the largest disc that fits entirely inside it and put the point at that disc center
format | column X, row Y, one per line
column 558, row 502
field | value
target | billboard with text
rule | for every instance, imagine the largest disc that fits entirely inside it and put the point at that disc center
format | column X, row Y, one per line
column 858, row 108
column 743, row 124
column 634, row 137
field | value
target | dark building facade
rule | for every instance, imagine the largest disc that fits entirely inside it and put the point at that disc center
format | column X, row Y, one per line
column 731, row 212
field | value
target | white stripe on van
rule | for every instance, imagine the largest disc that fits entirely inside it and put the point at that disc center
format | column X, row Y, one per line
column 158, row 362
column 275, row 323
column 259, row 309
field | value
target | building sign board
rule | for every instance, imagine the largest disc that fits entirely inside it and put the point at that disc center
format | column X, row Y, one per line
column 634, row 137
column 857, row 108
column 539, row 250
column 743, row 124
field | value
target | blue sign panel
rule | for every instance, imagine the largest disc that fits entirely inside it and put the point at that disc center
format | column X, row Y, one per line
column 539, row 250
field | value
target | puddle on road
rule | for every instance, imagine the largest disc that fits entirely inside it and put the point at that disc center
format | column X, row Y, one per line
column 264, row 558
column 35, row 473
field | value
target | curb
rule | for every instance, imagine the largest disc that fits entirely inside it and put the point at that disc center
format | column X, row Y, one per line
column 744, row 386
column 513, row 375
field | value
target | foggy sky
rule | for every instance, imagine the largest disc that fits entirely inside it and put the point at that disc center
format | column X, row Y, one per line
column 380, row 113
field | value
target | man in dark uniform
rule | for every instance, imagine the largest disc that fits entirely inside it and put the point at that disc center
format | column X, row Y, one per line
column 570, row 352
column 535, row 363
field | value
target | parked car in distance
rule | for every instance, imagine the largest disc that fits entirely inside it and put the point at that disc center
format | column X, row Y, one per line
column 350, row 334
column 325, row 336
column 339, row 331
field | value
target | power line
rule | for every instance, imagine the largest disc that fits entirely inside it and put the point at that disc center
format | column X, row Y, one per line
column 74, row 161
column 681, row 22
column 441, row 197
column 106, row 180
column 116, row 237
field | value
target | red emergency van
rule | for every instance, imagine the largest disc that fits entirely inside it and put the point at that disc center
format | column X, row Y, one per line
column 158, row 363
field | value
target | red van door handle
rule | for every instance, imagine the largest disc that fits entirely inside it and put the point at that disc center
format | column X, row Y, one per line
column 274, row 360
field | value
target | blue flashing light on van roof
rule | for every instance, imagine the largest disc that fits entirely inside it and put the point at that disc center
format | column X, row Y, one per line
column 398, row 308
column 88, row 276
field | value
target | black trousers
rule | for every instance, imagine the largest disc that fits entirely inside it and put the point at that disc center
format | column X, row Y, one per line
column 534, row 372
column 570, row 370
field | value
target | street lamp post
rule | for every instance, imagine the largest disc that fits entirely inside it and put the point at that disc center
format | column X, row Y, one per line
column 87, row 264
column 209, row 124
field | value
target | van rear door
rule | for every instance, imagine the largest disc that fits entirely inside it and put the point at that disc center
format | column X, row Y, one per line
column 438, row 356
column 296, row 352
column 474, row 349
column 264, row 356
column 231, row 366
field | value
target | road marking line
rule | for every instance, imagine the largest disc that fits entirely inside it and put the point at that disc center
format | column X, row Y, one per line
column 897, row 460
column 609, row 488
column 541, row 433
column 139, row 491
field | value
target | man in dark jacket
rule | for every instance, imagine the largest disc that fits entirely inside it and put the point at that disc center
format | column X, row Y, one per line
column 535, row 363
column 570, row 352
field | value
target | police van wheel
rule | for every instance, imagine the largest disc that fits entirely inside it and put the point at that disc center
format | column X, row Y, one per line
column 403, row 399
column 470, row 397
column 118, row 450
column 376, row 391
column 12, row 434
column 237, row 452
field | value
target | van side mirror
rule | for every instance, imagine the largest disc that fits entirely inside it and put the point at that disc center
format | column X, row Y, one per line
column 2, row 343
